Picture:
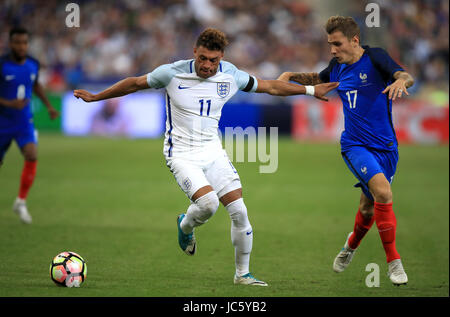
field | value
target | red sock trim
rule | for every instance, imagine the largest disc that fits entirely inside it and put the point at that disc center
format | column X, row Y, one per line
column 27, row 178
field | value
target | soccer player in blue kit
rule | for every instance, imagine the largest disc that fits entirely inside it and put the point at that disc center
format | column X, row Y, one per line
column 19, row 74
column 369, row 81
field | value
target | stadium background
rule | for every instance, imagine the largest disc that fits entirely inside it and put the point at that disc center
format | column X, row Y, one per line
column 90, row 180
column 126, row 38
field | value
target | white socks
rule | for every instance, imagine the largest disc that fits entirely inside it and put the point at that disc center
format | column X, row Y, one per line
column 199, row 212
column 241, row 235
column 241, row 230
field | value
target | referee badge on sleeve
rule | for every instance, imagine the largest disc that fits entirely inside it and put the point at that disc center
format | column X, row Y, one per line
column 223, row 89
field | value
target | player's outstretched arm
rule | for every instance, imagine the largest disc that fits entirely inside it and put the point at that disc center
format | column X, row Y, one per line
column 39, row 91
column 403, row 80
column 281, row 88
column 301, row 78
column 121, row 88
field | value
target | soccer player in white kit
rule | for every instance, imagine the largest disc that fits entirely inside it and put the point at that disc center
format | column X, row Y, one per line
column 196, row 91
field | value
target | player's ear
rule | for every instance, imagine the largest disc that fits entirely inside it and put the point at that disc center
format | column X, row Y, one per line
column 355, row 40
column 220, row 56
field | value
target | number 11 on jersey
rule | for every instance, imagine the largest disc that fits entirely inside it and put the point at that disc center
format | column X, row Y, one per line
column 208, row 102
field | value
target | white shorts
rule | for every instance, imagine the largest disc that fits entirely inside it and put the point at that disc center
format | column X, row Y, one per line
column 191, row 175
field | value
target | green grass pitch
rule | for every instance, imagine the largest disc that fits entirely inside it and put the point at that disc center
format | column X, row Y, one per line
column 115, row 203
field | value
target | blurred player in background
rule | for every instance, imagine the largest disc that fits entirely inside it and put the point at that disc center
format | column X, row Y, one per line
column 196, row 91
column 19, row 78
column 369, row 81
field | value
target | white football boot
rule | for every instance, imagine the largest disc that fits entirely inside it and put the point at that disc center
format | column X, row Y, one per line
column 396, row 273
column 344, row 257
column 248, row 279
column 20, row 208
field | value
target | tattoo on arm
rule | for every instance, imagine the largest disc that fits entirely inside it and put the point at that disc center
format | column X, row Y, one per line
column 306, row 78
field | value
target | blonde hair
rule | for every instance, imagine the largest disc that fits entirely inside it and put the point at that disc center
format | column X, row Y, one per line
column 347, row 25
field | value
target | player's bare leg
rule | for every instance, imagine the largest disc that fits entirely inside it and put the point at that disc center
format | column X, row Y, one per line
column 29, row 152
column 205, row 204
column 386, row 224
column 241, row 237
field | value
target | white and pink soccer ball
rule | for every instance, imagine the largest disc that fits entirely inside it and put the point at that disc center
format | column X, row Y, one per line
column 68, row 269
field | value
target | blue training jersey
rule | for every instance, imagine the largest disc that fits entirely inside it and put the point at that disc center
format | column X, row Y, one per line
column 16, row 82
column 367, row 112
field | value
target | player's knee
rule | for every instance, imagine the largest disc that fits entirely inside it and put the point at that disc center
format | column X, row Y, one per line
column 383, row 195
column 238, row 213
column 30, row 156
column 29, row 152
column 208, row 204
column 366, row 209
column 367, row 213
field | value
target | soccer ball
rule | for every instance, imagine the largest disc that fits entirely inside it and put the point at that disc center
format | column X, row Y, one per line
column 68, row 269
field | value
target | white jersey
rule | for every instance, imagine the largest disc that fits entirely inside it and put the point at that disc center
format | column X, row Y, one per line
column 194, row 104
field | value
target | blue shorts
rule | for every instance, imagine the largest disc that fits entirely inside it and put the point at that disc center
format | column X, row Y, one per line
column 364, row 163
column 22, row 137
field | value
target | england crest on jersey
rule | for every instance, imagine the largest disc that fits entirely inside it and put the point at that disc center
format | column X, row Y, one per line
column 223, row 89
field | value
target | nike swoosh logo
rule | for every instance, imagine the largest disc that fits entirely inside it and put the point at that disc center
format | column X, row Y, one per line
column 183, row 87
column 9, row 77
column 249, row 233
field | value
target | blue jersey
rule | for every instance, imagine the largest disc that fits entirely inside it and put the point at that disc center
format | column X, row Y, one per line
column 367, row 112
column 16, row 82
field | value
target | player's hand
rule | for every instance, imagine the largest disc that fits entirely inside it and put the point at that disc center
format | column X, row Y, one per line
column 320, row 90
column 84, row 94
column 396, row 89
column 53, row 113
column 285, row 77
column 18, row 104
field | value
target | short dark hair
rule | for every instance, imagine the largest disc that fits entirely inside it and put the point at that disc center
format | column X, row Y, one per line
column 17, row 30
column 347, row 25
column 212, row 39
